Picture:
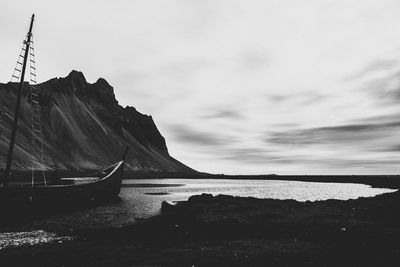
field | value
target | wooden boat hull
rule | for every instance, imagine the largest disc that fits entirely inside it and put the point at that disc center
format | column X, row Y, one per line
column 107, row 186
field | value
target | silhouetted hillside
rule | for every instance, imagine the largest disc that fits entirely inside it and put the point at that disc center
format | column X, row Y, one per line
column 84, row 127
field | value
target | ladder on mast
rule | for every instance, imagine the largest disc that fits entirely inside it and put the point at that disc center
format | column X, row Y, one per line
column 27, row 52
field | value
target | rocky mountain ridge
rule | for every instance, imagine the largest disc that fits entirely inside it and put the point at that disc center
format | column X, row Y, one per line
column 84, row 127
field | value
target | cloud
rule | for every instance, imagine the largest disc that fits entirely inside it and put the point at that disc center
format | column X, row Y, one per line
column 250, row 155
column 278, row 98
column 379, row 81
column 389, row 148
column 265, row 157
column 336, row 162
column 379, row 65
column 303, row 98
column 342, row 134
column 386, row 118
column 224, row 114
column 286, row 125
column 253, row 59
column 188, row 135
column 384, row 90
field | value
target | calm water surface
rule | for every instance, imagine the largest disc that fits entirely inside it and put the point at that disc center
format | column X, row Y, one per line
column 142, row 199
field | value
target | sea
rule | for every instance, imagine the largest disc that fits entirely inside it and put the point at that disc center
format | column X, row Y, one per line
column 140, row 199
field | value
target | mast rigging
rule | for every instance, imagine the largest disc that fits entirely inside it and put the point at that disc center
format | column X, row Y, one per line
column 27, row 42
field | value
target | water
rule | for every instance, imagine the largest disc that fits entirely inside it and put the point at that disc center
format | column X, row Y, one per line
column 142, row 199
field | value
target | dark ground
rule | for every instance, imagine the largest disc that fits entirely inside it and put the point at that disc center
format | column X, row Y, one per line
column 232, row 231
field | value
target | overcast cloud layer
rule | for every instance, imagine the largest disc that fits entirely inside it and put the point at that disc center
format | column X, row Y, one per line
column 307, row 87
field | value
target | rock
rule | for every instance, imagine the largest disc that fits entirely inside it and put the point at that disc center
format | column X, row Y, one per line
column 167, row 207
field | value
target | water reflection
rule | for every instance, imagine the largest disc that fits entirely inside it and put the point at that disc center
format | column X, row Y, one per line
column 142, row 198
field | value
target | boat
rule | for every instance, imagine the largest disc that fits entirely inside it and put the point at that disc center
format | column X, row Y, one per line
column 105, row 184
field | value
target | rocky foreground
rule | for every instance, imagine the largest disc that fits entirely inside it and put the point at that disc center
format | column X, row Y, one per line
column 233, row 231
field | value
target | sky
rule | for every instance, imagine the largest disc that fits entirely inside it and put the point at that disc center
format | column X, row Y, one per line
column 235, row 87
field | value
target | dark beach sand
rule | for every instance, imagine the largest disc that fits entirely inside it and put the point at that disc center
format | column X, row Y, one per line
column 233, row 231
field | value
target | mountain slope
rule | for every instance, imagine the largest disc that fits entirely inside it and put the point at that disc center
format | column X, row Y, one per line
column 83, row 128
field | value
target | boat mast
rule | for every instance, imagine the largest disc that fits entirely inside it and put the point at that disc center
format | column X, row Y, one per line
column 6, row 174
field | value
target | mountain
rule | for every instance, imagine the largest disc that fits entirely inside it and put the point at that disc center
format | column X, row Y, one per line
column 84, row 128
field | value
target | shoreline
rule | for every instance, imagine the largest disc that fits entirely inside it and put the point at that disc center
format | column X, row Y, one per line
column 225, row 230
column 377, row 181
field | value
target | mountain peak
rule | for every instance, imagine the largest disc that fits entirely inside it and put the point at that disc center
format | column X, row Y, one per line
column 77, row 77
column 102, row 81
column 104, row 87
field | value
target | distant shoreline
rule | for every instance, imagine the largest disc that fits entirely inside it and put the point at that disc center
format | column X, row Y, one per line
column 377, row 181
